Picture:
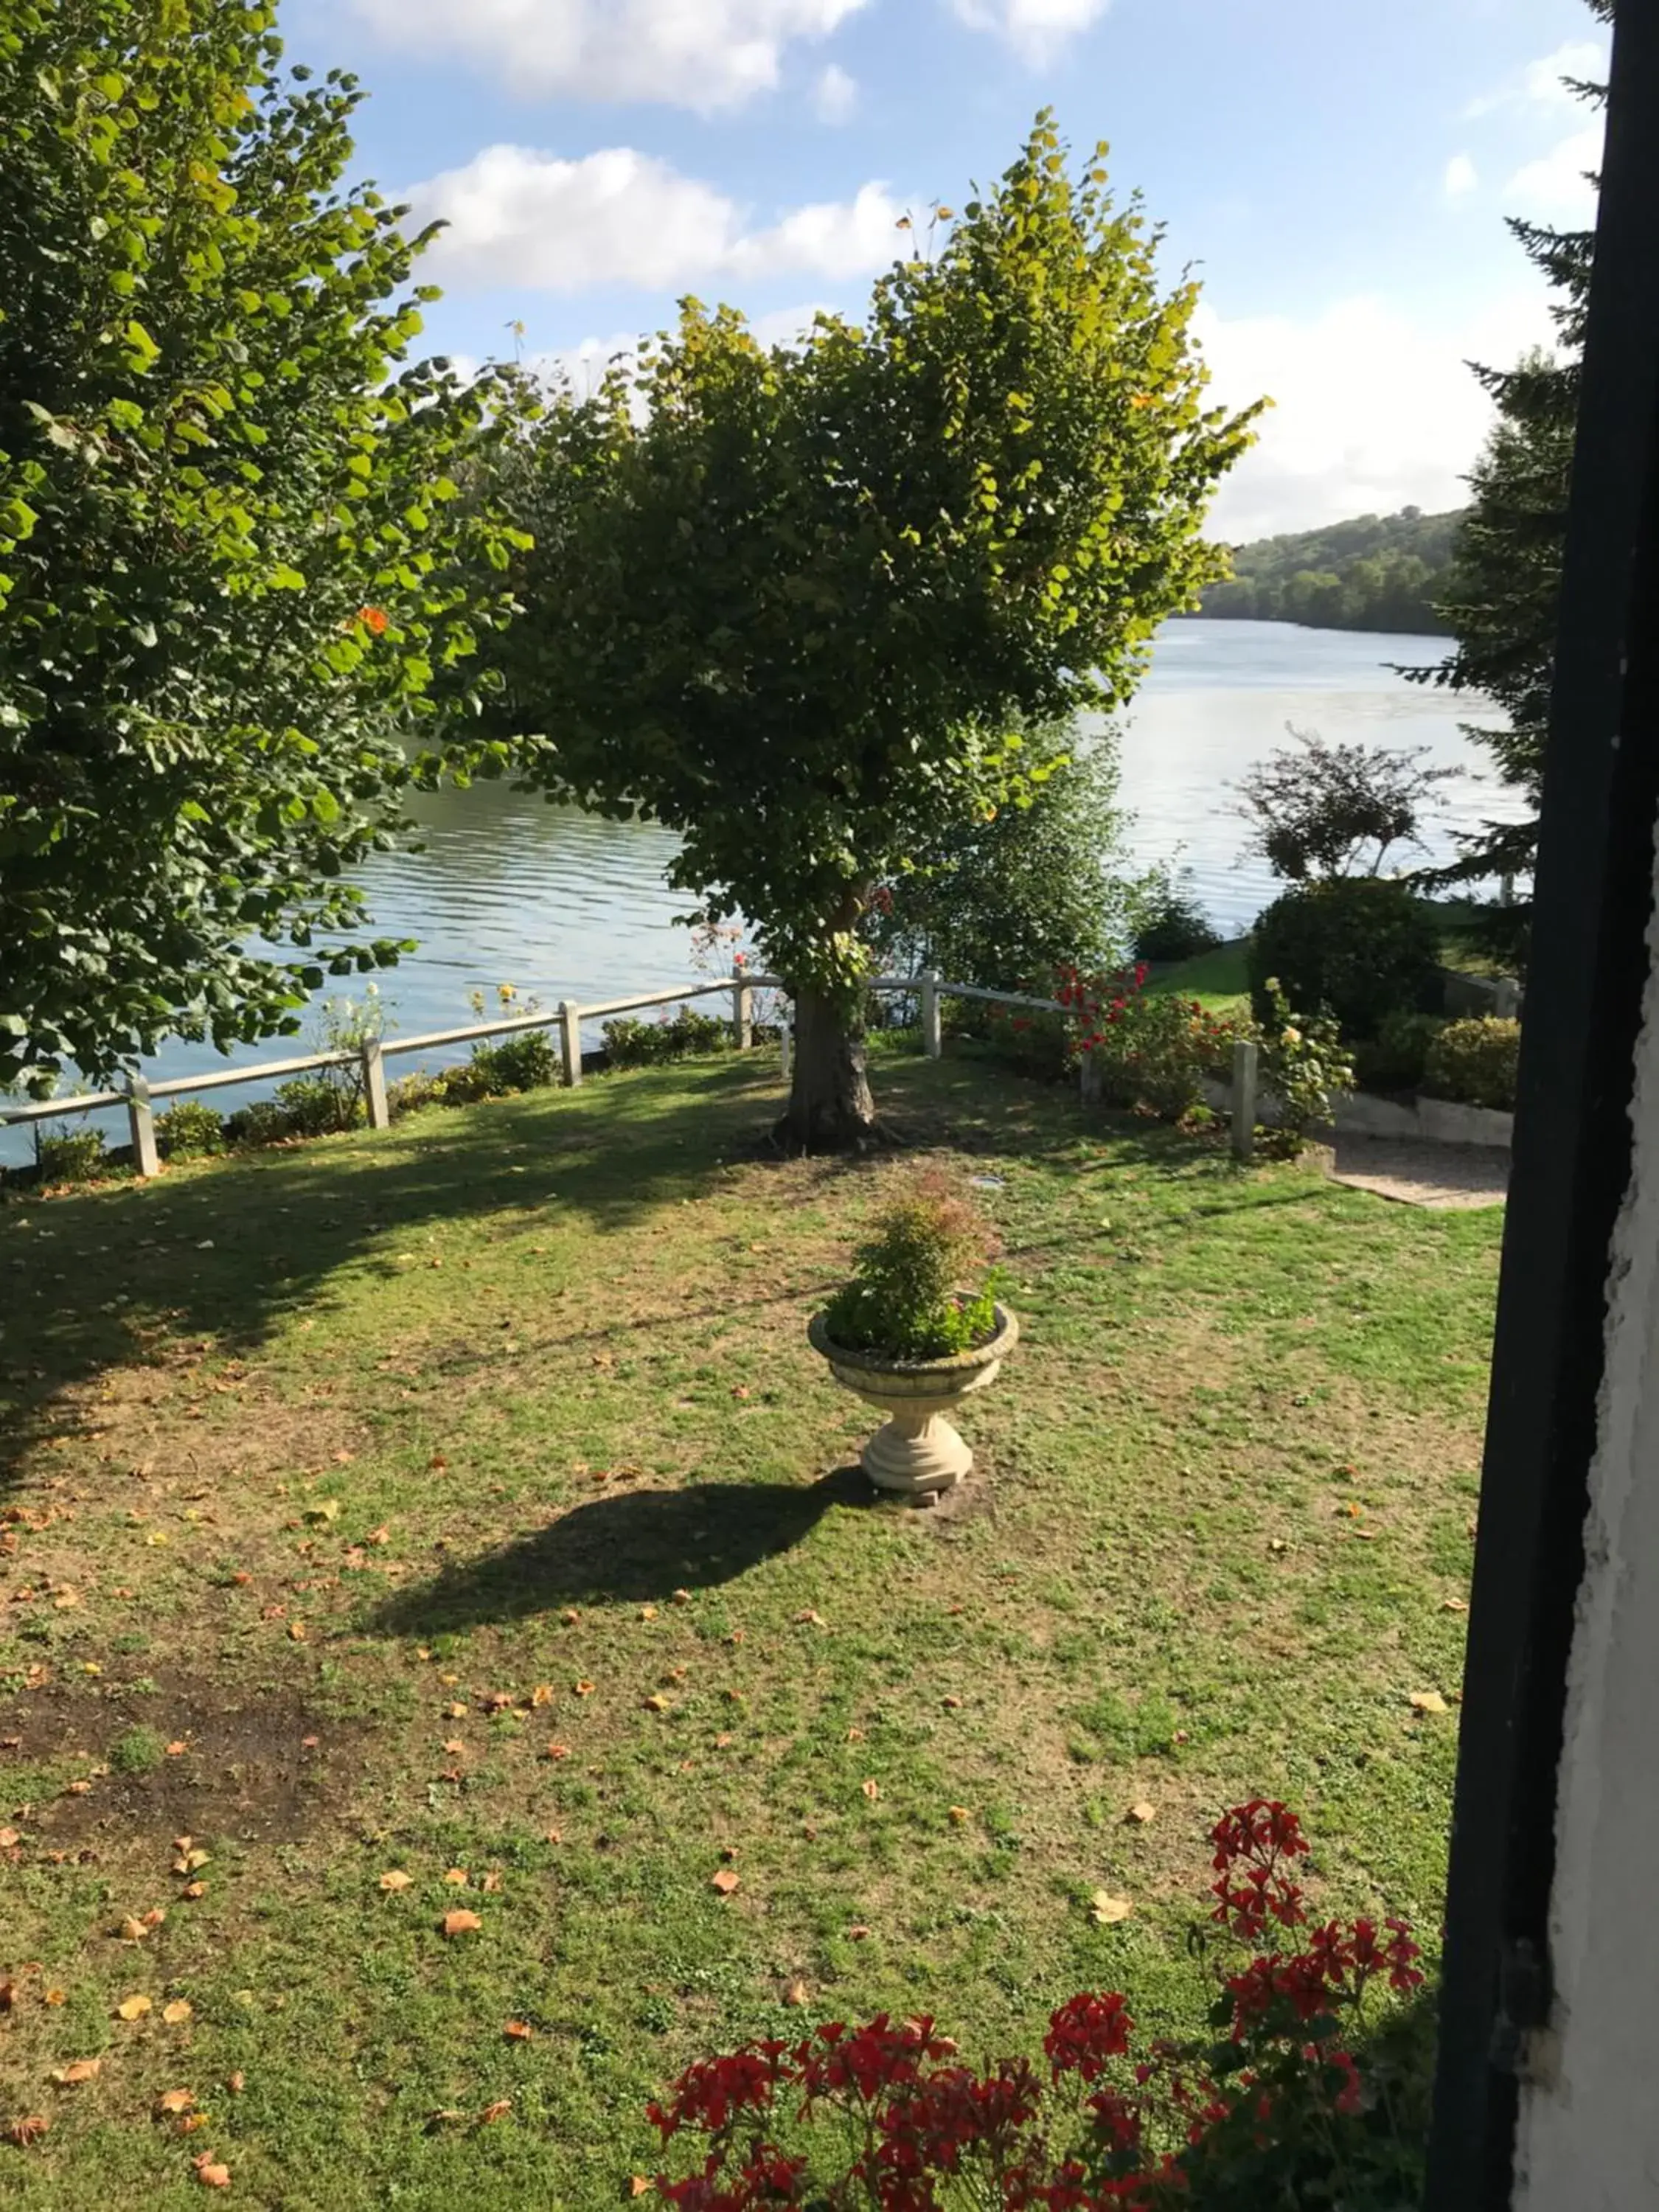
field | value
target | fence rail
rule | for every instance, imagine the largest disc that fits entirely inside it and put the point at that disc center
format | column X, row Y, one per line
column 138, row 1095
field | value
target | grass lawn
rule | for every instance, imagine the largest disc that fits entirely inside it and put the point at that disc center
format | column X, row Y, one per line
column 1218, row 978
column 465, row 1504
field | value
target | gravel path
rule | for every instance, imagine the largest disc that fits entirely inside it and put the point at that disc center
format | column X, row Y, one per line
column 1438, row 1175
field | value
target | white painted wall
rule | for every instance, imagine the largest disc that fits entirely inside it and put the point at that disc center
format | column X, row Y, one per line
column 1588, row 2138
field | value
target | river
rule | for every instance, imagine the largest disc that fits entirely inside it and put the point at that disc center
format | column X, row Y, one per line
column 508, row 889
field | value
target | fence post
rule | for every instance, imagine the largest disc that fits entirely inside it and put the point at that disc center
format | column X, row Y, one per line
column 742, row 1009
column 140, row 1124
column 932, row 1043
column 373, row 1062
column 1245, row 1057
column 570, row 1042
column 1091, row 1084
column 1506, row 999
column 788, row 1043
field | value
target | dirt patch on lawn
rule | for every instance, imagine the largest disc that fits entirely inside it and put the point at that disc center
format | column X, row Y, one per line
column 252, row 1765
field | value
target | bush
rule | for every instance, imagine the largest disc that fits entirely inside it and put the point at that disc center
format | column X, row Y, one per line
column 1149, row 1048
column 70, row 1155
column 1303, row 1062
column 903, row 1300
column 676, row 1037
column 525, row 1063
column 1361, row 946
column 312, row 1106
column 261, row 1122
column 1171, row 925
column 190, row 1130
column 1034, row 1043
column 1394, row 1059
column 412, row 1094
column 1474, row 1062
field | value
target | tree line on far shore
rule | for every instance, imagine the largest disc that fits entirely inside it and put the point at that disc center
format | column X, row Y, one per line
column 1378, row 572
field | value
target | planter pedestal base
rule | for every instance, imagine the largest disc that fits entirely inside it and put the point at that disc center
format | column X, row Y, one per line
column 916, row 1454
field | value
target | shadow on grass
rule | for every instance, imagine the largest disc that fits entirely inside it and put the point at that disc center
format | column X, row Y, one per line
column 637, row 1548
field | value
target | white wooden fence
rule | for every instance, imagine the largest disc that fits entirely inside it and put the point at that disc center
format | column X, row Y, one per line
column 137, row 1096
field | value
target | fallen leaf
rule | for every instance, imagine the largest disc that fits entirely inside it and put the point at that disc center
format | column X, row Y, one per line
column 647, row 1612
column 584, row 1689
column 133, row 1931
column 455, row 1747
column 33, row 2126
column 542, row 1694
column 236, row 2082
column 8, row 1838
column 738, row 1635
column 682, row 1597
column 656, row 1703
column 558, row 1750
column 461, row 1924
column 56, row 1997
column 640, row 2185
column 1454, row 1605
column 1141, row 1812
column 455, row 1712
column 153, row 1918
column 296, row 1629
column 325, row 1508
column 951, row 1705
column 193, row 1889
column 872, row 1789
column 1106, row 1911
column 135, row 2007
column 170, row 2102
column 517, row 2031
column 177, row 1748
column 192, row 2124
column 437, row 1462
column 459, row 1875
column 796, row 1993
column 178, row 2012
column 395, row 1879
column 492, row 1882
column 77, row 1788
column 858, row 1933
column 211, row 2173
column 810, row 1619
column 959, row 1814
column 1428, row 1701
column 498, row 2111
column 78, row 2070
column 498, row 1701
column 570, row 1616
column 725, row 1881
column 189, row 1862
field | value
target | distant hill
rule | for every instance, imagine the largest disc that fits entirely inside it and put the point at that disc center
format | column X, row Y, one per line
column 1378, row 572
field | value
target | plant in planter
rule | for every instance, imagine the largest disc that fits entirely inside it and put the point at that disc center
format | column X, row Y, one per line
column 910, row 1341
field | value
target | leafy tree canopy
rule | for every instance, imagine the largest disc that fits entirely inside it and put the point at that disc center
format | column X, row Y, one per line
column 235, row 567
column 1317, row 810
column 798, row 603
column 1376, row 572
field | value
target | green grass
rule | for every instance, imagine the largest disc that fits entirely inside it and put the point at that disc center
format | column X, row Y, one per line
column 1216, row 979
column 337, row 1469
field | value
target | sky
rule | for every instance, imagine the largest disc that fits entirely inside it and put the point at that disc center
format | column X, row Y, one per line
column 1337, row 173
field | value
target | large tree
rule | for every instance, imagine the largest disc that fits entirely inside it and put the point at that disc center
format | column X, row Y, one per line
column 797, row 603
column 1502, row 599
column 235, row 571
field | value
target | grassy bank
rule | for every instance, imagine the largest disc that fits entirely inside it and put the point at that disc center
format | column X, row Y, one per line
column 465, row 1505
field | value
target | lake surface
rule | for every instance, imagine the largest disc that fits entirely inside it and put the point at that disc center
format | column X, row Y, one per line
column 509, row 889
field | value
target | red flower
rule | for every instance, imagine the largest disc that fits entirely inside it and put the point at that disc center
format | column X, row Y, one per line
column 1085, row 2032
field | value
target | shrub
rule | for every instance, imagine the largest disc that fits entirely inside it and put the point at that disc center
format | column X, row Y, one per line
column 1172, row 924
column 1024, row 1037
column 1361, row 946
column 140, row 1751
column 1315, row 812
column 1475, row 1062
column 525, row 1063
column 1289, row 2095
column 1149, row 1048
column 1394, row 1059
column 190, row 1130
column 412, row 1094
column 69, row 1155
column 262, row 1121
column 312, row 1106
column 676, row 1037
column 1303, row 1061
column 905, row 1300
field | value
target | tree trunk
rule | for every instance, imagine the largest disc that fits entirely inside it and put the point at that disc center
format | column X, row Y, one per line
column 830, row 1108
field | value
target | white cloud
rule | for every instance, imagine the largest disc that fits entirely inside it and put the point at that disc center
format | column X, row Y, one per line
column 703, row 54
column 1036, row 29
column 1373, row 411
column 520, row 217
column 1461, row 177
column 1543, row 83
column 836, row 95
column 1556, row 186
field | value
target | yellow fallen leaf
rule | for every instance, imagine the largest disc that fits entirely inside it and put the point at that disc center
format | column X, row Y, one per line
column 57, row 1997
column 656, row 1703
column 457, row 1876
column 78, row 2070
column 178, row 2012
column 461, row 1924
column 725, row 1881
column 797, row 1992
column 542, row 1694
column 959, row 1815
column 1106, row 1911
column 325, row 1508
column 211, row 2173
column 135, row 2007
column 395, row 1879
column 9, row 1839
column 647, row 1612
column 1428, row 1701
column 1140, row 1812
column 584, row 1689
column 173, row 2101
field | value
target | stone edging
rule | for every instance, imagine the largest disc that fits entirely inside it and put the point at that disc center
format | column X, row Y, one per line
column 1426, row 1120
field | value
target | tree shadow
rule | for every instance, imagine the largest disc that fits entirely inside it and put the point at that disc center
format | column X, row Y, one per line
column 634, row 1547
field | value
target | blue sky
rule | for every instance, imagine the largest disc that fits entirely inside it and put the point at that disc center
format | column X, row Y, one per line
column 1338, row 170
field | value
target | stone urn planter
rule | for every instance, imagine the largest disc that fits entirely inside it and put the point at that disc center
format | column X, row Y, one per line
column 918, row 1452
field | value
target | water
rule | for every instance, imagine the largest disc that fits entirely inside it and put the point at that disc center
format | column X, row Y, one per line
column 1220, row 695
column 509, row 889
